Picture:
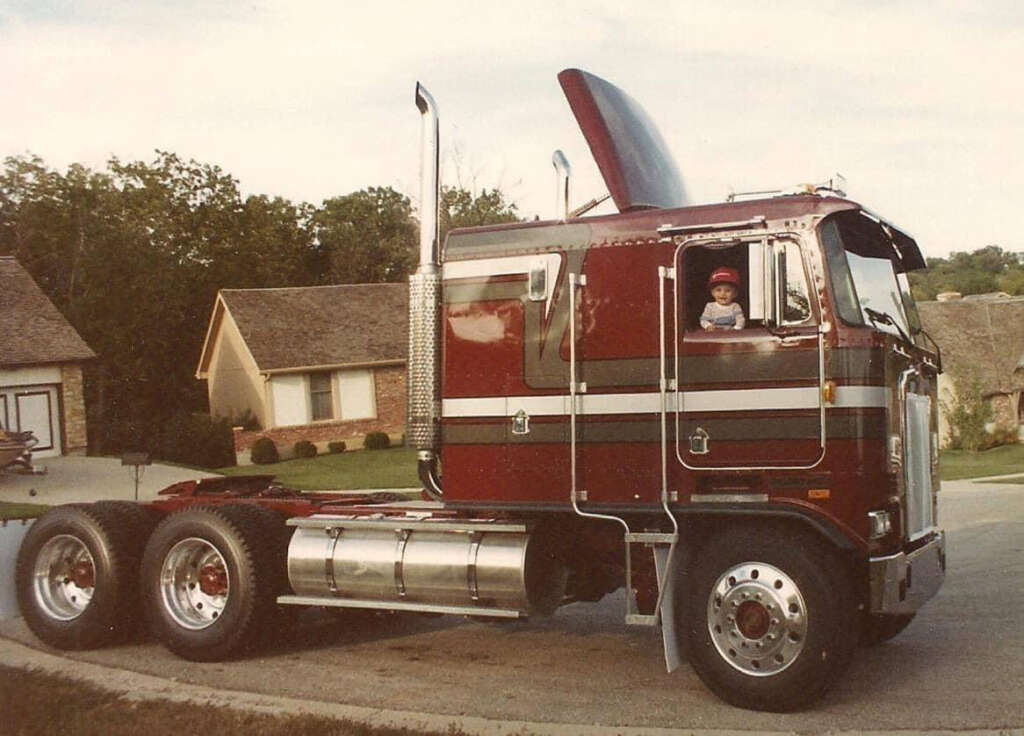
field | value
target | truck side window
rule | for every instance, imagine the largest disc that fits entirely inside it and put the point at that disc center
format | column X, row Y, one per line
column 796, row 306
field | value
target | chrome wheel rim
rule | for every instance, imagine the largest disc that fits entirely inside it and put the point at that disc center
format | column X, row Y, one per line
column 757, row 618
column 194, row 583
column 65, row 577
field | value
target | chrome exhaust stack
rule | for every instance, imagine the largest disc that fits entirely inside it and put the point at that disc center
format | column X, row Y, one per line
column 564, row 173
column 423, row 419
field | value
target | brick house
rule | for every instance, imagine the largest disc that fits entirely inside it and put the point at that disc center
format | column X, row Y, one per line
column 981, row 336
column 41, row 357
column 319, row 363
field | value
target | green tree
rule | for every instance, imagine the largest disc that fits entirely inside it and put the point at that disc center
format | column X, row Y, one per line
column 461, row 208
column 981, row 271
column 967, row 412
column 368, row 236
column 134, row 256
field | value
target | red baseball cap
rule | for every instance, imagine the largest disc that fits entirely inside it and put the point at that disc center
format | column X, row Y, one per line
column 724, row 275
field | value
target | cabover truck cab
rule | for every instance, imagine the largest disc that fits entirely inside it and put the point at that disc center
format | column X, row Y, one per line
column 766, row 495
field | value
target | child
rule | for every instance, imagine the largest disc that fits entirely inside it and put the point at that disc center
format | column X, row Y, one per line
column 723, row 313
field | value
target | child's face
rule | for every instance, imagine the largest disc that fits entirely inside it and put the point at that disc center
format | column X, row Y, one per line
column 724, row 294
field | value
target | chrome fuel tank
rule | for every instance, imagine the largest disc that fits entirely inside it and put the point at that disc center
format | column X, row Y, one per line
column 410, row 561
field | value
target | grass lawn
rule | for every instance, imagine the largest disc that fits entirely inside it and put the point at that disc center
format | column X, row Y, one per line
column 957, row 464
column 47, row 705
column 391, row 468
column 10, row 510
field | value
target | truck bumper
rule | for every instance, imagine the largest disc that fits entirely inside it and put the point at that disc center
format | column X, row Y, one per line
column 902, row 583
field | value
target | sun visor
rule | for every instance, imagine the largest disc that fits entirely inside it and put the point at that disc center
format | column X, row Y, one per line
column 637, row 166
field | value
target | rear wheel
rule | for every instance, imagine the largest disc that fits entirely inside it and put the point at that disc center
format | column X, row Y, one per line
column 768, row 619
column 208, row 587
column 75, row 577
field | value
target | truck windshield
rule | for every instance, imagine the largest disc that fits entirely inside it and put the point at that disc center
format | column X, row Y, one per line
column 868, row 282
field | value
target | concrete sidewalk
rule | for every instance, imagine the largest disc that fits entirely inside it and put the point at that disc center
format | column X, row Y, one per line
column 83, row 479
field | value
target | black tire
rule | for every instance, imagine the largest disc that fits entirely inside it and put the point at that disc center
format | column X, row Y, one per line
column 76, row 577
column 881, row 628
column 206, row 582
column 739, row 645
column 272, row 548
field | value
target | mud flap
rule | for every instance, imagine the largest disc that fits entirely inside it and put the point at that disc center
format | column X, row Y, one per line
column 668, row 604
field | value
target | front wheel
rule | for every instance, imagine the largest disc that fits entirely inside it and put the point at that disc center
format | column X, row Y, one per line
column 768, row 618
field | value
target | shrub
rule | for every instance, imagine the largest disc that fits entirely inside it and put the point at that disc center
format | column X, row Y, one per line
column 377, row 441
column 998, row 438
column 195, row 439
column 264, row 451
column 304, row 448
column 335, row 447
column 967, row 412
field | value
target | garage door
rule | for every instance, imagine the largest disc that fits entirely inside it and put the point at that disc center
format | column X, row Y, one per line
column 34, row 409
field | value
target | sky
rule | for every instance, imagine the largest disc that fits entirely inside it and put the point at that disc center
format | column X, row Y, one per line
column 917, row 104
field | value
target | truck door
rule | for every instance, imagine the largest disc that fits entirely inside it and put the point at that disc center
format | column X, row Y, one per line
column 749, row 395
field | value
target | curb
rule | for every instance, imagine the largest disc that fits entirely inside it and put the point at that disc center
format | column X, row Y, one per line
column 136, row 686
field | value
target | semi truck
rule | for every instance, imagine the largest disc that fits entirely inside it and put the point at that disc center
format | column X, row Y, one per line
column 765, row 495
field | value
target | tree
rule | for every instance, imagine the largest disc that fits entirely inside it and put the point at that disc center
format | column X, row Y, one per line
column 134, row 255
column 368, row 236
column 981, row 271
column 461, row 208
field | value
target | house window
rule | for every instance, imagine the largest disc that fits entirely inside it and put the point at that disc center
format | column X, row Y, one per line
column 320, row 398
column 358, row 399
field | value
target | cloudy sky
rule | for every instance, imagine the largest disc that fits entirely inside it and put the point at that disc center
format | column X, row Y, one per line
column 918, row 104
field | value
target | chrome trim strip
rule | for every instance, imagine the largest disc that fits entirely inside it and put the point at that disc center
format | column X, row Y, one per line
column 309, row 600
column 713, row 401
column 728, row 498
column 397, row 523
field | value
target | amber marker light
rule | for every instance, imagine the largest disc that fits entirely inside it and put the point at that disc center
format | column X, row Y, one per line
column 828, row 392
column 819, row 494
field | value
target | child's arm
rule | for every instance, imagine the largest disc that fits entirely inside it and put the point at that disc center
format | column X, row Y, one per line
column 706, row 322
column 741, row 321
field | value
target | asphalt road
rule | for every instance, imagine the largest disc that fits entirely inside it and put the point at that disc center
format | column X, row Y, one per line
column 959, row 666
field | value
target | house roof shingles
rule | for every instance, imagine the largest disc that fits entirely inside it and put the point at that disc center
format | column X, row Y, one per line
column 984, row 337
column 32, row 331
column 305, row 327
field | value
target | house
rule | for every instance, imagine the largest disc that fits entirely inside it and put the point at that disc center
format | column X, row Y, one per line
column 982, row 338
column 320, row 363
column 41, row 357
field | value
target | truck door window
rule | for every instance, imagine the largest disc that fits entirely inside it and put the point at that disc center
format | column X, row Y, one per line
column 796, row 304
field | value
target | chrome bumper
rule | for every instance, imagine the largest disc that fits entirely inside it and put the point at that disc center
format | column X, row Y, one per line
column 902, row 583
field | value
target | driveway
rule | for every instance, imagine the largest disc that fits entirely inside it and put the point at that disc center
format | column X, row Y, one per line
column 82, row 479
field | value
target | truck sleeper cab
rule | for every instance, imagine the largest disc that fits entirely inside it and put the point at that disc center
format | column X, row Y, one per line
column 767, row 495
